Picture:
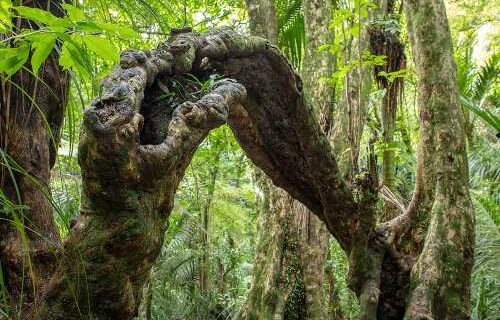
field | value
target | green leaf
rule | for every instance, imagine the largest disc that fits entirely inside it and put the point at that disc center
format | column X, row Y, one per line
column 88, row 27
column 354, row 30
column 73, row 55
column 122, row 31
column 41, row 16
column 13, row 58
column 101, row 47
column 487, row 116
column 41, row 50
column 74, row 13
column 5, row 15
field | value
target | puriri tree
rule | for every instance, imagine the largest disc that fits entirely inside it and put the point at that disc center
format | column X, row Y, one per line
column 135, row 147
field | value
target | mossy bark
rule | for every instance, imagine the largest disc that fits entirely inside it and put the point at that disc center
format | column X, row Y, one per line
column 318, row 64
column 31, row 116
column 135, row 147
column 131, row 164
column 303, row 248
column 440, row 286
column 277, row 289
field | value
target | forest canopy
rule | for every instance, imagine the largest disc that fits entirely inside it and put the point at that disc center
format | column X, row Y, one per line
column 257, row 159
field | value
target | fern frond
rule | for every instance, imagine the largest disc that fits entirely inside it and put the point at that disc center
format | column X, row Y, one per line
column 291, row 38
column 484, row 79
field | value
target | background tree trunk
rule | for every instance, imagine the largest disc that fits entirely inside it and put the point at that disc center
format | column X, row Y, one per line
column 288, row 278
column 441, row 278
column 387, row 43
column 318, row 64
column 277, row 288
column 31, row 116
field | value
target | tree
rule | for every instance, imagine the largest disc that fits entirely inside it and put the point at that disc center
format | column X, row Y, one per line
column 385, row 40
column 32, row 106
column 134, row 149
column 288, row 273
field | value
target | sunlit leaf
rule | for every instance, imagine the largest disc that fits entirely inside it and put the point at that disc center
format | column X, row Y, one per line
column 13, row 58
column 74, row 13
column 73, row 55
column 5, row 15
column 41, row 16
column 101, row 47
column 41, row 50
column 119, row 30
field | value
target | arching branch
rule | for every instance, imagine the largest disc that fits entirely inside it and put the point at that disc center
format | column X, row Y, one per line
column 139, row 136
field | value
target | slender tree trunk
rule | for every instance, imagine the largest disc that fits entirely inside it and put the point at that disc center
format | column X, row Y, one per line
column 277, row 290
column 387, row 42
column 317, row 64
column 205, row 240
column 305, row 237
column 441, row 278
column 31, row 116
column 277, row 283
column 352, row 110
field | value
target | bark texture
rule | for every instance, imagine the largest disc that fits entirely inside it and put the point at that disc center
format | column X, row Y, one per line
column 289, row 277
column 315, row 237
column 277, row 289
column 133, row 153
column 440, row 286
column 31, row 116
column 263, row 19
column 135, row 147
column 132, row 161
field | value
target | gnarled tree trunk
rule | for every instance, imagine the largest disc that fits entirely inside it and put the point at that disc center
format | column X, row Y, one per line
column 131, row 169
column 135, row 147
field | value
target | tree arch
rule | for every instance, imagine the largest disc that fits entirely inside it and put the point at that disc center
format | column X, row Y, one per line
column 135, row 146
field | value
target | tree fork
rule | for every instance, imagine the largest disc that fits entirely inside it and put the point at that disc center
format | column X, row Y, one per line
column 135, row 147
column 128, row 187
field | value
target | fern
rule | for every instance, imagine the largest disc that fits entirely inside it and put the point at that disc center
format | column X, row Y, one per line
column 475, row 87
column 486, row 76
column 291, row 37
column 486, row 271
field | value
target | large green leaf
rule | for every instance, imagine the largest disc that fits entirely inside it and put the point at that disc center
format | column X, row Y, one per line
column 73, row 55
column 12, row 59
column 41, row 50
column 101, row 47
column 41, row 16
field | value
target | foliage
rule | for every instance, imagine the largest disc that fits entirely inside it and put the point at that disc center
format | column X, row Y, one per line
column 291, row 37
column 218, row 185
column 175, row 289
column 486, row 274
